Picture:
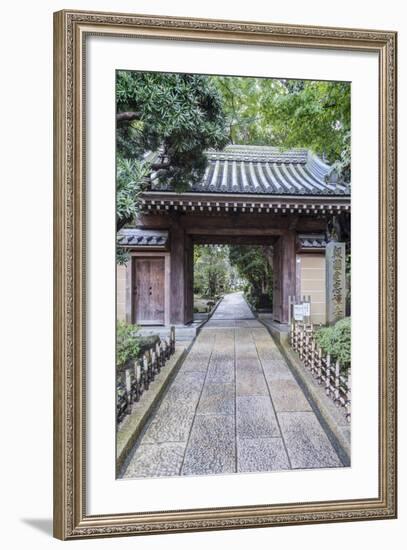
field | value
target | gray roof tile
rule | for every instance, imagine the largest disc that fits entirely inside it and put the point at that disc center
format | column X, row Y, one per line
column 252, row 169
column 312, row 241
column 153, row 238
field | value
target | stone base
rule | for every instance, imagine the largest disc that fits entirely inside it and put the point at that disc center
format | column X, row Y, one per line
column 279, row 331
column 183, row 333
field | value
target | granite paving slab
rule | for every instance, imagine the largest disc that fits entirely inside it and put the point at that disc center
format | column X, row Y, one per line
column 211, row 448
column 217, row 399
column 255, row 417
column 307, row 444
column 192, row 380
column 198, row 364
column 221, row 370
column 262, row 454
column 262, row 335
column 277, row 370
column 233, row 306
column 288, row 396
column 199, row 355
column 267, row 353
column 172, row 422
column 232, row 323
column 163, row 459
column 252, row 324
column 243, row 337
column 250, row 381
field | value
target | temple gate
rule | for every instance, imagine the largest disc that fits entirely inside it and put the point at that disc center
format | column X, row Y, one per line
column 249, row 195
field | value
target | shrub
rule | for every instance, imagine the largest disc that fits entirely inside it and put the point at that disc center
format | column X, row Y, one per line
column 127, row 342
column 336, row 341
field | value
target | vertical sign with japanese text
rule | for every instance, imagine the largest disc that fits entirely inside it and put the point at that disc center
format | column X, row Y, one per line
column 335, row 254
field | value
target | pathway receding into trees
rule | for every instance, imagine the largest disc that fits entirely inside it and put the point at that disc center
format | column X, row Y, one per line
column 234, row 406
column 232, row 307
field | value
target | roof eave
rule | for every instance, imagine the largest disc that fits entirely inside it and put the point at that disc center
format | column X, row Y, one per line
column 241, row 197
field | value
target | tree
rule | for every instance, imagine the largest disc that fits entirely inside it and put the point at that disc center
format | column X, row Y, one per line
column 213, row 273
column 130, row 174
column 254, row 264
column 290, row 113
column 315, row 115
column 165, row 122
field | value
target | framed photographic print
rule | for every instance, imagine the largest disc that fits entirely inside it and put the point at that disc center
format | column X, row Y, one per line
column 225, row 274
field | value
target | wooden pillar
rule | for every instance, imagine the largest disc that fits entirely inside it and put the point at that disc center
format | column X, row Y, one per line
column 284, row 275
column 189, row 280
column 178, row 272
column 277, row 280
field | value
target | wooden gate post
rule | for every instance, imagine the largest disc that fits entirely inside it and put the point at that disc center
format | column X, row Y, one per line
column 284, row 276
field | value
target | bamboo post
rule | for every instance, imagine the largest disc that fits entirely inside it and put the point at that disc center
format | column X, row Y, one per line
column 153, row 364
column 158, row 356
column 348, row 399
column 306, row 354
column 319, row 369
column 312, row 356
column 142, row 375
column 128, row 391
column 337, row 383
column 328, row 374
column 146, row 372
column 150, row 365
column 137, row 378
column 300, row 341
column 296, row 336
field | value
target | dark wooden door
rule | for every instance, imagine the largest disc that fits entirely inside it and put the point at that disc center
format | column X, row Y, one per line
column 149, row 291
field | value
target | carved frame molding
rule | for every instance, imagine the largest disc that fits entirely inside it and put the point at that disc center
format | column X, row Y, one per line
column 70, row 31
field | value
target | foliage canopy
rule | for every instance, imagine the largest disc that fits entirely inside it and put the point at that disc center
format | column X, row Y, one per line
column 290, row 113
column 254, row 265
column 213, row 273
column 177, row 115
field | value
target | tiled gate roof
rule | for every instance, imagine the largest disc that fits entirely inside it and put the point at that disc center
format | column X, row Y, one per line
column 263, row 170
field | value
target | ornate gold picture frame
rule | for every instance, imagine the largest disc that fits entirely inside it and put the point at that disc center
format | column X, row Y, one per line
column 71, row 30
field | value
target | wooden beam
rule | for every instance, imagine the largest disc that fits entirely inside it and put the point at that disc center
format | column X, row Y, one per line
column 242, row 222
column 231, row 231
column 235, row 239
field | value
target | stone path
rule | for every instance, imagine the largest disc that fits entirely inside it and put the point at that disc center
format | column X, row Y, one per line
column 234, row 406
column 233, row 307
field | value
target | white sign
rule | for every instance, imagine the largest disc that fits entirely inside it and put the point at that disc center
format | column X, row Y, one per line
column 298, row 314
column 306, row 309
column 302, row 310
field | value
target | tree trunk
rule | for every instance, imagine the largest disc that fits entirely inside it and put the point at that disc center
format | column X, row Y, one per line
column 127, row 116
